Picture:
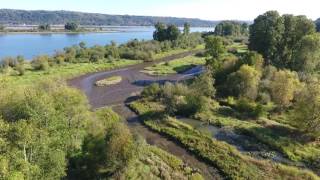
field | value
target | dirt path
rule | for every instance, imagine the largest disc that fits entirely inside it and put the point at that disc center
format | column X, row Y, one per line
column 117, row 96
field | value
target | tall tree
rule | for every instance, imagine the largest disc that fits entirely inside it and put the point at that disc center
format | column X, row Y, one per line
column 306, row 111
column 173, row 32
column 265, row 35
column 186, row 29
column 307, row 56
column 160, row 34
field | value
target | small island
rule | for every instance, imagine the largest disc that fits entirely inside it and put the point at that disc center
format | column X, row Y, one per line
column 109, row 81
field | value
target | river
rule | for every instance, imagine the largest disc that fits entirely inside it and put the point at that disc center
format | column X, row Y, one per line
column 30, row 45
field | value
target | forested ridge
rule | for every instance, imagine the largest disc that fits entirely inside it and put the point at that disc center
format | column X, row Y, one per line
column 10, row 16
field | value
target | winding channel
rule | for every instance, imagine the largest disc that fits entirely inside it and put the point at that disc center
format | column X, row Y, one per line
column 117, row 96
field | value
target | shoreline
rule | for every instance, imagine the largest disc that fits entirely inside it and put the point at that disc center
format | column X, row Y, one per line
column 65, row 32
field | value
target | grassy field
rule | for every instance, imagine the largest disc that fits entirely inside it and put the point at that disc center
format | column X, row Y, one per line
column 63, row 71
column 176, row 51
column 175, row 66
column 226, row 157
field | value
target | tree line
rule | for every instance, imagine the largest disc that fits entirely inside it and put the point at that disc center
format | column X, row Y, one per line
column 14, row 17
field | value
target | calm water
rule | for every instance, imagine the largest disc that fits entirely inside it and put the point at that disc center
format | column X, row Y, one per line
column 30, row 45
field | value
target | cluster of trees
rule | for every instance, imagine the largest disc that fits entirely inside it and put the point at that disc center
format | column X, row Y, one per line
column 40, row 128
column 286, row 41
column 166, row 32
column 183, row 99
column 8, row 16
column 231, row 28
column 71, row 26
column 280, row 78
column 44, row 27
column 48, row 132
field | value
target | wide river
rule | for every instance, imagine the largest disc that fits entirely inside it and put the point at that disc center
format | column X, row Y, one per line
column 30, row 45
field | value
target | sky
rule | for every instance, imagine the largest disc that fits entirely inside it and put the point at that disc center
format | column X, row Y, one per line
column 203, row 9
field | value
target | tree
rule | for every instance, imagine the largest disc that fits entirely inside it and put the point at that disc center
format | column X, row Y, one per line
column 119, row 147
column 71, row 26
column 44, row 27
column 265, row 35
column 317, row 22
column 307, row 56
column 186, row 29
column 306, row 111
column 214, row 47
column 173, row 32
column 283, row 87
column 163, row 32
column 160, row 34
column 244, row 83
column 295, row 28
column 254, row 59
column 231, row 28
column 277, row 37
column 2, row 27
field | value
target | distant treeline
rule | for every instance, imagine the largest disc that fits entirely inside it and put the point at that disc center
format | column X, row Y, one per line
column 15, row 17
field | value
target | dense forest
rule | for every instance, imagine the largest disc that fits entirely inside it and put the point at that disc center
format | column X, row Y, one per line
column 16, row 17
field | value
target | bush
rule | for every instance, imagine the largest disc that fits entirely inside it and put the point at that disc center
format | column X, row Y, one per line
column 40, row 63
column 21, row 69
column 152, row 91
column 249, row 108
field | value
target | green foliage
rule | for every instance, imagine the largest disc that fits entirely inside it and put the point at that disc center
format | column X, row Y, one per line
column 244, row 82
column 277, row 37
column 231, row 28
column 283, row 87
column 215, row 47
column 119, row 147
column 307, row 108
column 71, row 26
column 44, row 27
column 10, row 16
column 41, row 63
column 166, row 32
column 307, row 56
column 186, row 28
column 41, row 127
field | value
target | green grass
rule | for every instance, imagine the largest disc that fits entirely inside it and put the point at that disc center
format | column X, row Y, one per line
column 154, row 163
column 226, row 157
column 64, row 71
column 176, row 51
column 175, row 66
column 109, row 81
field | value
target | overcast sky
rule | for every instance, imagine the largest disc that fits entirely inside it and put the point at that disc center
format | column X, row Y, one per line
column 203, row 9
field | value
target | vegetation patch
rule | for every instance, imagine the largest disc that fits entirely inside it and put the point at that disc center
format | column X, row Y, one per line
column 227, row 158
column 109, row 81
column 175, row 66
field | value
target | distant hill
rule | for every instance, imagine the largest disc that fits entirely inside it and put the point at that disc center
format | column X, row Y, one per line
column 18, row 17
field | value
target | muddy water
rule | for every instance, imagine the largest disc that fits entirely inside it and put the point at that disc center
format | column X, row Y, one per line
column 117, row 96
